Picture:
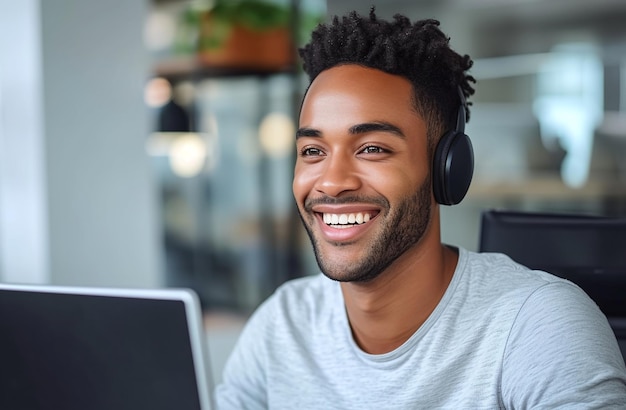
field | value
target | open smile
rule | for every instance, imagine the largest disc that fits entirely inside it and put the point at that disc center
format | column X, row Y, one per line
column 346, row 220
column 345, row 227
column 343, row 222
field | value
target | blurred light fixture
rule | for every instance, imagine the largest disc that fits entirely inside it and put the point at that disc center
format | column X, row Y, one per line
column 277, row 134
column 187, row 155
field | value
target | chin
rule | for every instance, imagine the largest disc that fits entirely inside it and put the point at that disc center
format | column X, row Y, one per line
column 342, row 270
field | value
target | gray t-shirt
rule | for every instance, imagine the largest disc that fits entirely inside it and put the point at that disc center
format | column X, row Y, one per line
column 502, row 336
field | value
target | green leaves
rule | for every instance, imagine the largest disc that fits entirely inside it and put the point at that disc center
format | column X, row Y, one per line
column 253, row 14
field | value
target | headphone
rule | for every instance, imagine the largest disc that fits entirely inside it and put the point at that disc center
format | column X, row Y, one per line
column 453, row 164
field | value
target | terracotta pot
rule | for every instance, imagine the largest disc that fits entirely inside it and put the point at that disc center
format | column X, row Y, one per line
column 245, row 48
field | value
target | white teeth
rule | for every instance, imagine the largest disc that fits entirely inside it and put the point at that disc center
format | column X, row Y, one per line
column 346, row 219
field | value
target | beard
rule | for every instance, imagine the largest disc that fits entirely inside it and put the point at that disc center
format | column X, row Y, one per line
column 403, row 227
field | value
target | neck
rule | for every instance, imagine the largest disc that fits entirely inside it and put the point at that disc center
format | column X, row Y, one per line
column 385, row 312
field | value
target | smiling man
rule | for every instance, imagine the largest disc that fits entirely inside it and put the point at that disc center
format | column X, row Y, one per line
column 398, row 320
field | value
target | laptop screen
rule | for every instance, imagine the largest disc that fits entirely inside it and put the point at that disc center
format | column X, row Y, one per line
column 63, row 348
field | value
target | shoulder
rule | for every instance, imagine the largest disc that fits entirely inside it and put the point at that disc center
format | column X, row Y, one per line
column 559, row 348
column 501, row 268
column 533, row 293
column 495, row 280
column 536, row 300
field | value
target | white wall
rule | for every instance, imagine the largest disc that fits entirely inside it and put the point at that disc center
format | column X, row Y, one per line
column 93, row 220
column 23, row 213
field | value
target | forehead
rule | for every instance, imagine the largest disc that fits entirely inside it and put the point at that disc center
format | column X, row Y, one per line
column 357, row 93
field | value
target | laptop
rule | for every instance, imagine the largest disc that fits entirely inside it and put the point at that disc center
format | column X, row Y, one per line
column 81, row 348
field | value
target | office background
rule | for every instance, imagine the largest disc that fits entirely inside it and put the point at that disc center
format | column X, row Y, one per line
column 95, row 190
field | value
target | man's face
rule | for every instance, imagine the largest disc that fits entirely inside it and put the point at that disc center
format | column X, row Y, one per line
column 362, row 175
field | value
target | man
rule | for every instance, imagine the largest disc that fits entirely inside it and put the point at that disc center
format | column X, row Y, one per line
column 399, row 320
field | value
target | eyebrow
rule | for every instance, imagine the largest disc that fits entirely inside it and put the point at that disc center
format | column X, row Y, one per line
column 307, row 132
column 356, row 129
column 376, row 126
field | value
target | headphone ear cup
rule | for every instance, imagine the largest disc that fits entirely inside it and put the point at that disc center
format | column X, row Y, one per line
column 453, row 168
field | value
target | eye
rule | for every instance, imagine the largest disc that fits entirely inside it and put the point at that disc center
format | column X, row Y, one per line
column 372, row 149
column 311, row 152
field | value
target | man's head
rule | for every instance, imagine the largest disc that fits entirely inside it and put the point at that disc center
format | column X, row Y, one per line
column 381, row 94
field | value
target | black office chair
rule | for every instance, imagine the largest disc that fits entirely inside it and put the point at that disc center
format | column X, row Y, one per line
column 588, row 250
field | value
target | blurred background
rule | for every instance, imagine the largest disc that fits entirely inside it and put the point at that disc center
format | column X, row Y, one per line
column 150, row 143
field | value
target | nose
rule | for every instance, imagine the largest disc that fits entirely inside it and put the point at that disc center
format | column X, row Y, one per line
column 338, row 175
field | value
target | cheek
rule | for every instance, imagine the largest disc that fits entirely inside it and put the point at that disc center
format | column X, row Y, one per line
column 393, row 187
column 418, row 168
column 397, row 180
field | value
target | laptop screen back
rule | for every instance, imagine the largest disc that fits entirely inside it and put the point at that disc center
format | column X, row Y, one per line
column 63, row 348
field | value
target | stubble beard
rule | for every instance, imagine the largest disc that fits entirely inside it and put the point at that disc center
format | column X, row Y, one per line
column 405, row 227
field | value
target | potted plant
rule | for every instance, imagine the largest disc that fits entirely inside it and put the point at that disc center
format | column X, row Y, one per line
column 252, row 34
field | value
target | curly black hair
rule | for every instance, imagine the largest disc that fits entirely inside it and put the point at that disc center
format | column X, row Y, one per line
column 418, row 51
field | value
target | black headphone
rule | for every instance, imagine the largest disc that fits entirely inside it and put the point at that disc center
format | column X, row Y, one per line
column 453, row 164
